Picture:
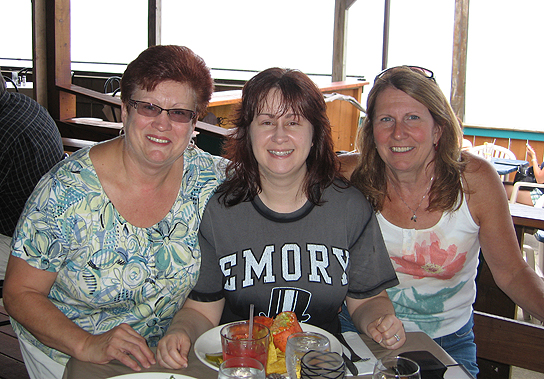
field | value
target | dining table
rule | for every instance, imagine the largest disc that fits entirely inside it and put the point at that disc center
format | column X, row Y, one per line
column 415, row 341
column 490, row 298
column 527, row 219
column 506, row 166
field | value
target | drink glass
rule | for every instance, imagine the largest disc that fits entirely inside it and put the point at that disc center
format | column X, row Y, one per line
column 235, row 341
column 241, row 367
column 322, row 365
column 299, row 344
column 396, row 368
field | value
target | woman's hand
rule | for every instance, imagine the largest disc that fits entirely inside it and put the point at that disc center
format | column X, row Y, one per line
column 530, row 152
column 173, row 349
column 119, row 343
column 388, row 331
column 375, row 316
column 193, row 319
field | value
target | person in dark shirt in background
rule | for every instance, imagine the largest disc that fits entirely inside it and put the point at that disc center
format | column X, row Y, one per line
column 30, row 144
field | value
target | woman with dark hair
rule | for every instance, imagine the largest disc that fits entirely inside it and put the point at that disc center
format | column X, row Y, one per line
column 106, row 250
column 283, row 232
column 437, row 206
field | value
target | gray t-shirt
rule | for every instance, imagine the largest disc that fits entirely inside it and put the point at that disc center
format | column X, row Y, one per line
column 306, row 261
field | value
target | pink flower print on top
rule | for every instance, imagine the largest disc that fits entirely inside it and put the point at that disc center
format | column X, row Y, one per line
column 431, row 260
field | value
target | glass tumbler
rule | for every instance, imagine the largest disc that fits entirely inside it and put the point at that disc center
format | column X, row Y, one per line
column 322, row 364
column 241, row 367
column 299, row 344
column 396, row 368
column 236, row 341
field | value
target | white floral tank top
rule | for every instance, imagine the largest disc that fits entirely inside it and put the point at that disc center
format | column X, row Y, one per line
column 436, row 268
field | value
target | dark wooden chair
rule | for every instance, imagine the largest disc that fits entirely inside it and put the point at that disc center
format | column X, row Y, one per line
column 2, row 322
column 507, row 342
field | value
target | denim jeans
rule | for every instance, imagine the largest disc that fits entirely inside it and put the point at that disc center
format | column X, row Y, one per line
column 459, row 345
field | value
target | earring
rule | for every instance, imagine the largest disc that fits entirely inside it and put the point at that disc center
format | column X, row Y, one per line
column 191, row 145
column 122, row 132
column 435, row 146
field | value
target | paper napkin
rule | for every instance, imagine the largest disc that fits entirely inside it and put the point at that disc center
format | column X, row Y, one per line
column 362, row 350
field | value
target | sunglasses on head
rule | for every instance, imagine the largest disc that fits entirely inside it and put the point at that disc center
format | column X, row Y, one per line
column 423, row 71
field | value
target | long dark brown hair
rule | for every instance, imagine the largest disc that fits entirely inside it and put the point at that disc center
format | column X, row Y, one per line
column 299, row 94
column 449, row 165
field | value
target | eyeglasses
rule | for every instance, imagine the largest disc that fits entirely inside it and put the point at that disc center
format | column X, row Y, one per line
column 423, row 71
column 151, row 110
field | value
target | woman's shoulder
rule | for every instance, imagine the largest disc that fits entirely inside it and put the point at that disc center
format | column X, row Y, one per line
column 199, row 159
column 74, row 162
column 74, row 171
column 482, row 184
column 343, row 192
column 477, row 169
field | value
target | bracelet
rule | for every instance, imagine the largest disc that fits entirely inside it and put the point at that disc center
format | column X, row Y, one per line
column 534, row 160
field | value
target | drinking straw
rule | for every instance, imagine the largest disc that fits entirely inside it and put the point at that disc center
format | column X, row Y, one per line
column 251, row 310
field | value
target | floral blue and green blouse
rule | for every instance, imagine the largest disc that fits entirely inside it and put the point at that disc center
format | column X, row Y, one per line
column 108, row 271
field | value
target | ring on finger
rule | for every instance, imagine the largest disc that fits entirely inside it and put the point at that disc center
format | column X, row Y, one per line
column 396, row 337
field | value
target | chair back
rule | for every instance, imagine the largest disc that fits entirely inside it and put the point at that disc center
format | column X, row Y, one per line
column 509, row 342
column 518, row 185
column 490, row 150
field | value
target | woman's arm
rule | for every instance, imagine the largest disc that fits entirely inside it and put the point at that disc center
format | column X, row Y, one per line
column 375, row 316
column 488, row 205
column 187, row 325
column 25, row 297
column 539, row 174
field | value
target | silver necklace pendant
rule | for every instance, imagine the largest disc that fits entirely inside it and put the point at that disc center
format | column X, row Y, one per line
column 414, row 217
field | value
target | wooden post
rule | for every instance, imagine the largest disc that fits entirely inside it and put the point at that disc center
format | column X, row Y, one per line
column 459, row 64
column 61, row 105
column 341, row 8
column 39, row 52
column 154, row 22
column 385, row 43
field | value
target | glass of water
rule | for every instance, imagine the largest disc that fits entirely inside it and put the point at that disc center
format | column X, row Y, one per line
column 299, row 344
column 241, row 367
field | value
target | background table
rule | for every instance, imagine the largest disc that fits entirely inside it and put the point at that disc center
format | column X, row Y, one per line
column 82, row 370
column 506, row 166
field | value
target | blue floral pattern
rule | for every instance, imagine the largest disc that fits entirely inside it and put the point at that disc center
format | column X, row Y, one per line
column 108, row 271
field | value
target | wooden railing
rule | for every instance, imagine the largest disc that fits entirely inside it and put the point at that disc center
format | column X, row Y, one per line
column 80, row 131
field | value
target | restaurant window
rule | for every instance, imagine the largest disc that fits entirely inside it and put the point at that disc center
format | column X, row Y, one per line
column 504, row 84
column 253, row 36
column 107, row 32
column 417, row 37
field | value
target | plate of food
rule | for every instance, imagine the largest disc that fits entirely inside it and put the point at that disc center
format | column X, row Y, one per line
column 208, row 348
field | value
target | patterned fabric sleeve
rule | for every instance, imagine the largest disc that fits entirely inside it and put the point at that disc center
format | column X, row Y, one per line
column 38, row 237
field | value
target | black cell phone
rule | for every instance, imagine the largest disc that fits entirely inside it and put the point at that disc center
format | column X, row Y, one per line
column 430, row 366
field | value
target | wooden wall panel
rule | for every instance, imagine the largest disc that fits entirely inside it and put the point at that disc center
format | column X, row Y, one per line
column 344, row 116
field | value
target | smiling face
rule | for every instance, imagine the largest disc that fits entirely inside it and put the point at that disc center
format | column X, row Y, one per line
column 281, row 142
column 404, row 131
column 158, row 140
